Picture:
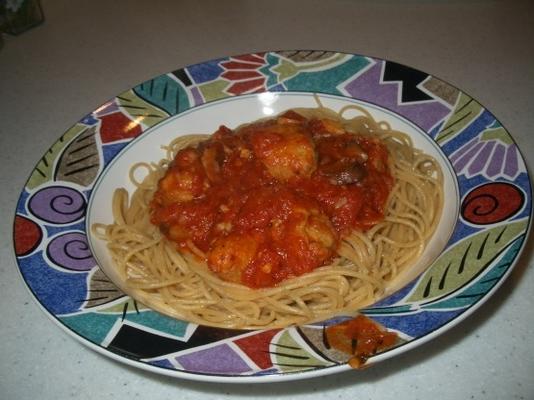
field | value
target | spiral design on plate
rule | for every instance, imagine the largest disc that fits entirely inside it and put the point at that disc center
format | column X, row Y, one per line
column 71, row 251
column 57, row 204
column 492, row 203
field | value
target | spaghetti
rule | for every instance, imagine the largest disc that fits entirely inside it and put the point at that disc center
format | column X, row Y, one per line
column 175, row 279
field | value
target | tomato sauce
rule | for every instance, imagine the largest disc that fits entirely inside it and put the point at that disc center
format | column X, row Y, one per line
column 272, row 199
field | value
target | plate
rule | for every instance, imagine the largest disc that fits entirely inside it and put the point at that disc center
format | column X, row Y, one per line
column 483, row 230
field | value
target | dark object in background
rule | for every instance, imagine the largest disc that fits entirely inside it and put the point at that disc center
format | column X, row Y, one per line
column 17, row 16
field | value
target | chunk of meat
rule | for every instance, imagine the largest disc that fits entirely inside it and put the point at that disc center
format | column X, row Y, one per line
column 326, row 127
column 212, row 159
column 231, row 254
column 308, row 241
column 298, row 236
column 185, row 180
column 286, row 150
column 271, row 199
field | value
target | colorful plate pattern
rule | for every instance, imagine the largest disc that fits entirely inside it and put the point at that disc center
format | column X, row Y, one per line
column 57, row 265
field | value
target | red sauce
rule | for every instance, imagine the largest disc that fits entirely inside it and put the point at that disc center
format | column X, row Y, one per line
column 360, row 337
column 272, row 200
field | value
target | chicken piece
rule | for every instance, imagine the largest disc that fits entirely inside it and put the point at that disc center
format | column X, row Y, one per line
column 230, row 255
column 185, row 179
column 290, row 117
column 326, row 127
column 318, row 229
column 286, row 150
column 308, row 240
column 278, row 233
column 295, row 229
column 212, row 159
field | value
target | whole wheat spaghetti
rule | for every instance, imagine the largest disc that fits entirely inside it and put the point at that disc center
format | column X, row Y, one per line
column 180, row 284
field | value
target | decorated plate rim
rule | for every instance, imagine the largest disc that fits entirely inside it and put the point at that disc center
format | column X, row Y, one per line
column 524, row 213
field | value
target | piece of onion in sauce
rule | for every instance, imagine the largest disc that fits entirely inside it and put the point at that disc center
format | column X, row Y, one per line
column 360, row 337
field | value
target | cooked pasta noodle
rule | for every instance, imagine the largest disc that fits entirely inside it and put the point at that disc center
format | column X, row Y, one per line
column 181, row 285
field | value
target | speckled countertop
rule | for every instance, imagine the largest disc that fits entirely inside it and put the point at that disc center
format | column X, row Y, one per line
column 88, row 51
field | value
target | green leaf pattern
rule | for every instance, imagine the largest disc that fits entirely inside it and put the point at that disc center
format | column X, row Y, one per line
column 471, row 293
column 164, row 93
column 80, row 162
column 140, row 110
column 466, row 111
column 465, row 261
column 44, row 170
column 290, row 354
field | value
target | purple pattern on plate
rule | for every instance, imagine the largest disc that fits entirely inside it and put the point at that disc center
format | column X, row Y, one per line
column 57, row 205
column 480, row 161
column 460, row 164
column 511, row 167
column 197, row 96
column 496, row 161
column 71, row 251
column 369, row 87
column 228, row 361
column 108, row 108
column 463, row 150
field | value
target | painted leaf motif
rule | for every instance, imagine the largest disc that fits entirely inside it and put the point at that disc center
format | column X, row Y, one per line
column 326, row 76
column 286, row 69
column 80, row 162
column 290, row 356
column 465, row 112
column 306, row 55
column 497, row 132
column 465, row 261
column 44, row 170
column 141, row 110
column 102, row 291
column 125, row 305
column 475, row 292
column 165, row 93
column 214, row 90
column 315, row 337
column 387, row 310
